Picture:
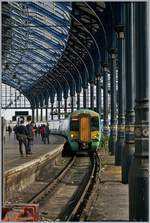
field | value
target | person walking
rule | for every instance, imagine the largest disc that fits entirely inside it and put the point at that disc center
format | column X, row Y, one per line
column 42, row 131
column 30, row 136
column 21, row 136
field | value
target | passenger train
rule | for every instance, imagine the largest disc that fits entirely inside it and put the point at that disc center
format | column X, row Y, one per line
column 82, row 131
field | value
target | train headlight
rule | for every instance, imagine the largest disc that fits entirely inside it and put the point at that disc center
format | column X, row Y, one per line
column 72, row 136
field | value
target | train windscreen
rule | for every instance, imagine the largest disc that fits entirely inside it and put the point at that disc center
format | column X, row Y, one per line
column 74, row 125
column 94, row 124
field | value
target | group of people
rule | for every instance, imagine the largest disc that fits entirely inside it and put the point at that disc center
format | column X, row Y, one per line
column 25, row 135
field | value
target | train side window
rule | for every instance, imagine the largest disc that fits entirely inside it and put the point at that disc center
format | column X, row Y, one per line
column 74, row 125
column 94, row 124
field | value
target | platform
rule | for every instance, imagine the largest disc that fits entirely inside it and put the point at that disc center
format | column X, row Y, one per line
column 11, row 150
column 112, row 201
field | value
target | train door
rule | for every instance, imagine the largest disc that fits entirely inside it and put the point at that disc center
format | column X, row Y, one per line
column 84, row 128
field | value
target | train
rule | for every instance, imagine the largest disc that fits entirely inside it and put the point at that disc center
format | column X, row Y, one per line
column 84, row 132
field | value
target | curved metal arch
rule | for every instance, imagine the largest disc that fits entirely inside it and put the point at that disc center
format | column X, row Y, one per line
column 85, row 49
column 99, row 55
column 76, row 68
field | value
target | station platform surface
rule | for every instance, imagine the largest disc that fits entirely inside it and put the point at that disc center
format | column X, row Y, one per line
column 11, row 150
column 112, row 198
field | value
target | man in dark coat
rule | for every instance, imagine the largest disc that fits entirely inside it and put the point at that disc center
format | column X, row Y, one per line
column 30, row 136
column 21, row 135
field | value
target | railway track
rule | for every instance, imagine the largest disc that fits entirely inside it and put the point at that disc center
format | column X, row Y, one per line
column 66, row 196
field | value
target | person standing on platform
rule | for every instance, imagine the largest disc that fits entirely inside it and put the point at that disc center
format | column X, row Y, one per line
column 9, row 130
column 30, row 136
column 47, row 132
column 42, row 131
column 21, row 136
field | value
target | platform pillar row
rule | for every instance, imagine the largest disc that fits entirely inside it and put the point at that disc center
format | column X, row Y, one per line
column 121, row 89
column 113, row 128
column 46, row 114
column 139, row 170
column 129, row 148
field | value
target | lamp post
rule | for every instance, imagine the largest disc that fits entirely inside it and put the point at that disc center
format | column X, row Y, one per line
column 113, row 128
column 121, row 92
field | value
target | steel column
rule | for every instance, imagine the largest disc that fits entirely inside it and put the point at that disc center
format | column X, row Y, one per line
column 37, row 114
column 98, row 95
column 121, row 91
column 130, row 95
column 72, row 103
column 46, row 114
column 33, row 115
column 41, row 118
column 52, row 111
column 113, row 128
column 92, row 95
column 78, row 100
column 84, row 97
column 105, row 100
column 58, row 109
column 139, row 174
column 65, row 108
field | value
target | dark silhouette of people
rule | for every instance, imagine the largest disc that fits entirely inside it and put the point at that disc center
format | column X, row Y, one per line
column 21, row 136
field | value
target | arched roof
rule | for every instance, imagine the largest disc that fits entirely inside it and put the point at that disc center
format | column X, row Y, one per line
column 54, row 47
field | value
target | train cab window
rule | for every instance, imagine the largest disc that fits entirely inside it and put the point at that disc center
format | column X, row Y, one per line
column 74, row 125
column 94, row 123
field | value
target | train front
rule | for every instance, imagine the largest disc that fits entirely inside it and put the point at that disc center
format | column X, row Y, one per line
column 85, row 131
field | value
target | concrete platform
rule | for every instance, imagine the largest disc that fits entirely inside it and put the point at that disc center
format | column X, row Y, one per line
column 11, row 150
column 112, row 199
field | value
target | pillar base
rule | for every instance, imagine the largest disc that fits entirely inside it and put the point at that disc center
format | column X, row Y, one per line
column 120, row 144
column 138, row 190
column 127, row 156
column 112, row 144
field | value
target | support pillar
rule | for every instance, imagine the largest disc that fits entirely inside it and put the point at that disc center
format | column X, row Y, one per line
column 92, row 95
column 65, row 108
column 121, row 92
column 37, row 114
column 84, row 97
column 113, row 128
column 105, row 99
column 58, row 109
column 52, row 105
column 41, row 118
column 33, row 115
column 139, row 171
column 46, row 113
column 129, row 148
column 78, row 100
column 72, row 103
column 98, row 95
